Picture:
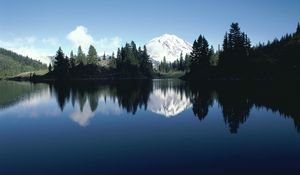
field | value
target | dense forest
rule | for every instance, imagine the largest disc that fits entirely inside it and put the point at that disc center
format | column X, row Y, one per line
column 239, row 60
column 130, row 62
column 13, row 64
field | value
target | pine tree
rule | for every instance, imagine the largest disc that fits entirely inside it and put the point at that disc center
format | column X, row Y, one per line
column 200, row 56
column 145, row 65
column 104, row 56
column 72, row 60
column 92, row 55
column 164, row 65
column 49, row 67
column 61, row 64
column 236, row 51
column 181, row 62
column 113, row 55
column 187, row 63
column 81, row 58
column 298, row 29
column 119, row 60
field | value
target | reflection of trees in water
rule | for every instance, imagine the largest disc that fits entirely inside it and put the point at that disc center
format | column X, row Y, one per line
column 281, row 98
column 133, row 94
column 202, row 99
column 235, row 106
column 130, row 95
column 236, row 100
column 13, row 92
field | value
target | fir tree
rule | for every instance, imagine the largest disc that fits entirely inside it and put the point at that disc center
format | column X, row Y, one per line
column 81, row 58
column 104, row 56
column 92, row 55
column 113, row 55
column 72, row 60
column 200, row 56
column 234, row 58
column 49, row 67
column 61, row 64
column 181, row 62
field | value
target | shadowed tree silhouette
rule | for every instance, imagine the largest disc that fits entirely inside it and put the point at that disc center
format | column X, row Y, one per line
column 235, row 105
column 202, row 99
column 234, row 58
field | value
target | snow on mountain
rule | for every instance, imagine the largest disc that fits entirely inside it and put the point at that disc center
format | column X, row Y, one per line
column 169, row 46
column 168, row 103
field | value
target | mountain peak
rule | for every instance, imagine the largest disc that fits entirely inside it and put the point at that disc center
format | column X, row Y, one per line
column 169, row 46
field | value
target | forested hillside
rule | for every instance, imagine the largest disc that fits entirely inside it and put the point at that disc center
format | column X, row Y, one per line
column 13, row 64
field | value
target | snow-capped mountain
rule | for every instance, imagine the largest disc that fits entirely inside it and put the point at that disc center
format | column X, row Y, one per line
column 169, row 46
column 168, row 103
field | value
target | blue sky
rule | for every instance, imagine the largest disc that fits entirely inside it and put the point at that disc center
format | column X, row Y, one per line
column 37, row 27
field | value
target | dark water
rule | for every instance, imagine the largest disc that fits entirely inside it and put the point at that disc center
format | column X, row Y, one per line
column 157, row 127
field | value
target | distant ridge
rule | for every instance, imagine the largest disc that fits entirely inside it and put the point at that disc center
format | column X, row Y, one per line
column 12, row 63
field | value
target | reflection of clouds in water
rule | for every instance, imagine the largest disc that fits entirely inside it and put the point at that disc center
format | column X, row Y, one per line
column 36, row 105
column 109, row 107
column 168, row 103
column 36, row 99
column 37, row 102
column 82, row 117
column 106, row 107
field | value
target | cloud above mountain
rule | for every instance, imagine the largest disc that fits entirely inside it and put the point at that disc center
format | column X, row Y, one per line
column 80, row 37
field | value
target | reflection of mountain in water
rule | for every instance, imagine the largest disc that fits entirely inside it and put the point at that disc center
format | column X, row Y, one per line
column 168, row 103
column 171, row 97
column 166, row 97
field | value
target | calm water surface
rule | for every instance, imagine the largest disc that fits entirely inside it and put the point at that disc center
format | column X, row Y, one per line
column 156, row 127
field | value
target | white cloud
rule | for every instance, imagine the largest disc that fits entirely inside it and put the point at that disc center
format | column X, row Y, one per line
column 108, row 45
column 50, row 41
column 81, row 37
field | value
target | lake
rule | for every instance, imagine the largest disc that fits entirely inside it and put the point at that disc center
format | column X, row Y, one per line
column 149, row 127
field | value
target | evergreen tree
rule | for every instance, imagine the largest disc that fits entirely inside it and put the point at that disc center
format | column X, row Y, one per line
column 234, row 59
column 49, row 67
column 165, row 65
column 298, row 29
column 145, row 65
column 61, row 64
column 92, row 55
column 200, row 56
column 187, row 62
column 72, row 60
column 181, row 62
column 81, row 58
column 113, row 55
column 104, row 56
column 131, row 60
